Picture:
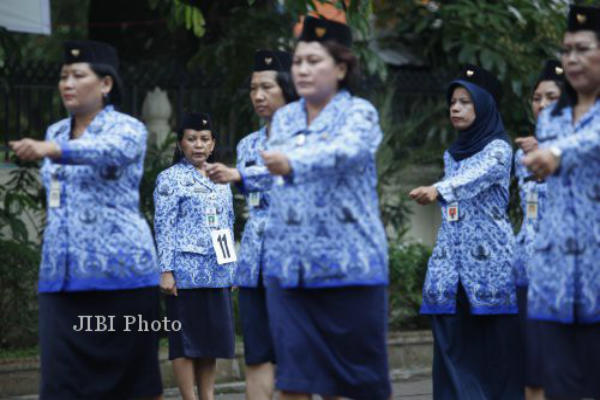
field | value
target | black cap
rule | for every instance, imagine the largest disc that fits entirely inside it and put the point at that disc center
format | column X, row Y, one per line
column 269, row 60
column 100, row 54
column 583, row 18
column 482, row 78
column 321, row 30
column 553, row 71
column 91, row 52
column 196, row 121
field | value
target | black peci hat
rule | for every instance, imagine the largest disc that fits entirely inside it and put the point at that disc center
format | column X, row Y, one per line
column 196, row 121
column 583, row 18
column 102, row 56
column 553, row 71
column 321, row 30
column 91, row 52
column 269, row 60
column 482, row 78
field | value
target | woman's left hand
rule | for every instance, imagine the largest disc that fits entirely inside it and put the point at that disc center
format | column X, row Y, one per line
column 33, row 150
column 424, row 195
column 276, row 162
column 541, row 162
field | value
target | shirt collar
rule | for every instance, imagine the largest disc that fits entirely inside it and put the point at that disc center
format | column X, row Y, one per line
column 338, row 103
column 193, row 173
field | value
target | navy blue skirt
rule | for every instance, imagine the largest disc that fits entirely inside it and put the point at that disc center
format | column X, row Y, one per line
column 258, row 344
column 206, row 318
column 82, row 359
column 476, row 356
column 571, row 359
column 331, row 342
column 531, row 343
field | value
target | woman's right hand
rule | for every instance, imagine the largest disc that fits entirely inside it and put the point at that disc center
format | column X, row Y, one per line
column 220, row 173
column 167, row 283
column 527, row 144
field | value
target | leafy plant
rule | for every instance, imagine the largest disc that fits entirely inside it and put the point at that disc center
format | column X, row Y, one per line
column 511, row 38
column 21, row 210
column 408, row 265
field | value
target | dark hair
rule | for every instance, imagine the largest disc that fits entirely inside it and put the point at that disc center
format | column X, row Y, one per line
column 178, row 154
column 568, row 95
column 284, row 80
column 116, row 92
column 561, row 86
column 343, row 54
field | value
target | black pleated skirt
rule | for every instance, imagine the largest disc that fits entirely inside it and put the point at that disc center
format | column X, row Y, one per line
column 331, row 342
column 476, row 357
column 82, row 358
column 206, row 317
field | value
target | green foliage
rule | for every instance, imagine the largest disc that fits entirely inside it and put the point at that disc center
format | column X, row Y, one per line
column 415, row 131
column 408, row 265
column 18, row 304
column 21, row 201
column 181, row 13
column 511, row 38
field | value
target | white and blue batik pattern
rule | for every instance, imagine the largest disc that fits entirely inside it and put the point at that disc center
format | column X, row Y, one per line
column 530, row 226
column 476, row 250
column 564, row 283
column 183, row 199
column 324, row 227
column 97, row 239
column 255, row 179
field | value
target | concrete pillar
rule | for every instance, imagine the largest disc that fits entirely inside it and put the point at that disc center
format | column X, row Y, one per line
column 156, row 112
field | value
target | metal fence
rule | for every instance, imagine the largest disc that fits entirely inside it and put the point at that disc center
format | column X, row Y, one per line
column 30, row 102
column 29, row 99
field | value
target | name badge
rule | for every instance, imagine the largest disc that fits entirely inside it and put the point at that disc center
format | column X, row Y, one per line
column 254, row 199
column 532, row 204
column 212, row 219
column 223, row 244
column 54, row 200
column 452, row 212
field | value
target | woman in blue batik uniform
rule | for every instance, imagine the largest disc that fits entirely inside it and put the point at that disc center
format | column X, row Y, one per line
column 194, row 235
column 270, row 88
column 469, row 287
column 532, row 198
column 325, row 251
column 564, row 281
column 98, row 257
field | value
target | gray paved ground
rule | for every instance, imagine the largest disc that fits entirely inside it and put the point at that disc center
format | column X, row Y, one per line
column 411, row 389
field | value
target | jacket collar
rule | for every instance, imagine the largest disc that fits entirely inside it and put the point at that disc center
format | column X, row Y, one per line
column 193, row 175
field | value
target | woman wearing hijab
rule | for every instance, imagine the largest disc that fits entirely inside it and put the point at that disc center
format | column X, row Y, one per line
column 564, row 282
column 99, row 267
column 325, row 247
column 533, row 199
column 270, row 88
column 469, row 288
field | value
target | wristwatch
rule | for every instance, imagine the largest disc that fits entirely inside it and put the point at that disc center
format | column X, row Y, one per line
column 556, row 152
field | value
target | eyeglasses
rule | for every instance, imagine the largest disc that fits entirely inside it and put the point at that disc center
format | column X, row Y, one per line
column 578, row 50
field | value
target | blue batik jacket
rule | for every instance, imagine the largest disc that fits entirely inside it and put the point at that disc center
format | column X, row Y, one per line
column 565, row 268
column 532, row 196
column 256, row 183
column 184, row 201
column 477, row 249
column 324, row 227
column 96, row 237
